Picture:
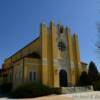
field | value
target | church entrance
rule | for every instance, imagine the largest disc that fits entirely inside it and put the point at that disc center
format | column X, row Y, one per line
column 63, row 78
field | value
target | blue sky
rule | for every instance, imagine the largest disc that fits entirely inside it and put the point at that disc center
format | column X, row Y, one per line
column 20, row 19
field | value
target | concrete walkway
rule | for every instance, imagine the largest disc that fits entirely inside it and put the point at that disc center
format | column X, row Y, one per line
column 94, row 95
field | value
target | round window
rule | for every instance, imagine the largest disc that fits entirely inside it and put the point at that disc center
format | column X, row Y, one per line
column 61, row 46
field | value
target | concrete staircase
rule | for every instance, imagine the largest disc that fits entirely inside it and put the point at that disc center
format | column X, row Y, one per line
column 65, row 90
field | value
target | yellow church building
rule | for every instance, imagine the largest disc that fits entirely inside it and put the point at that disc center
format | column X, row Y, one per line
column 52, row 59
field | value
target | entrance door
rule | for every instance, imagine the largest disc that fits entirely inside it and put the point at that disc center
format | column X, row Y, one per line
column 63, row 78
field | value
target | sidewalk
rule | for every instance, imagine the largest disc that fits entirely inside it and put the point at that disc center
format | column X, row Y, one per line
column 94, row 95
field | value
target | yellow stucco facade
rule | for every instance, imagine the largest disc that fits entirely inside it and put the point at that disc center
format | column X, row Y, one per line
column 52, row 59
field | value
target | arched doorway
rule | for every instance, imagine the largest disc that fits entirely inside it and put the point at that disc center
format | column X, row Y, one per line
column 63, row 78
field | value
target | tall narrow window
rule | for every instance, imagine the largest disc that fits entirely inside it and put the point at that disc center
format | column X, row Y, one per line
column 10, row 76
column 20, row 75
column 34, row 75
column 30, row 76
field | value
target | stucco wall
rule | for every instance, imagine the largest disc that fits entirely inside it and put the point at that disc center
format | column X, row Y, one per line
column 18, row 73
column 32, row 65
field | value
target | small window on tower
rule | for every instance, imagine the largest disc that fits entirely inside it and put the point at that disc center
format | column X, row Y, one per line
column 61, row 29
